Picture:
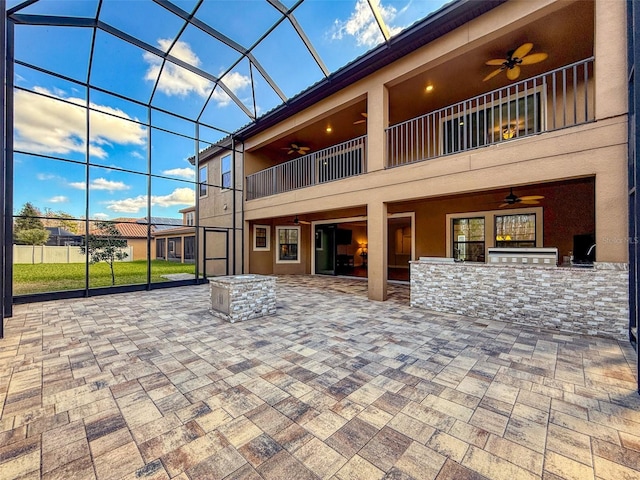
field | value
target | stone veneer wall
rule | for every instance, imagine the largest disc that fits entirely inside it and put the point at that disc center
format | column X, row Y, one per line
column 249, row 296
column 591, row 301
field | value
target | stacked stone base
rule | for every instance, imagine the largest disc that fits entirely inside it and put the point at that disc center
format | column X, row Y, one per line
column 587, row 301
column 242, row 297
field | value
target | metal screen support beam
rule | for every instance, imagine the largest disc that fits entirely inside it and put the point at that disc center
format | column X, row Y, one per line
column 303, row 36
column 7, row 170
column 375, row 9
column 3, row 48
column 633, row 56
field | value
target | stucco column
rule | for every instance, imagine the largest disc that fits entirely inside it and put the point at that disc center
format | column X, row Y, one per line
column 610, row 49
column 377, row 121
column 612, row 225
column 377, row 250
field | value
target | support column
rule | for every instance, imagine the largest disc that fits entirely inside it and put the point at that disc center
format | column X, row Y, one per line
column 377, row 121
column 377, row 250
column 610, row 46
column 612, row 221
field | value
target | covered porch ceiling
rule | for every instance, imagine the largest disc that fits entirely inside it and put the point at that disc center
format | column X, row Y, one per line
column 565, row 33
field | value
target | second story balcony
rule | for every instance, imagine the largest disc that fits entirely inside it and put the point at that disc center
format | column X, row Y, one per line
column 557, row 99
column 344, row 160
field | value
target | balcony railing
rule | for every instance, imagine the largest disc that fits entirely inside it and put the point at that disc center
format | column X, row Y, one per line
column 338, row 161
column 557, row 99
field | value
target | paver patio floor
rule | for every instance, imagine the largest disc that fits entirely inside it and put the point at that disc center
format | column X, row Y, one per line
column 150, row 385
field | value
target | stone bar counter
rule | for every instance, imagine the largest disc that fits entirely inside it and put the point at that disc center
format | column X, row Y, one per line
column 243, row 297
column 590, row 301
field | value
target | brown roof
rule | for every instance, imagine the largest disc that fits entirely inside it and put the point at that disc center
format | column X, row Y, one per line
column 129, row 230
column 174, row 231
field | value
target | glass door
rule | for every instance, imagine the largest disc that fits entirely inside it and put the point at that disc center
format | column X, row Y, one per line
column 325, row 245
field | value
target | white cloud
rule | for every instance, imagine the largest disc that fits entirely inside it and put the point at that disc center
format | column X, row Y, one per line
column 235, row 82
column 45, row 124
column 137, row 155
column 362, row 24
column 188, row 173
column 101, row 184
column 45, row 176
column 100, row 216
column 59, row 199
column 181, row 82
column 180, row 196
column 176, row 80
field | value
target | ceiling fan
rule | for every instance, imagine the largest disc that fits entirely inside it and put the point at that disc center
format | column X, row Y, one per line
column 512, row 199
column 515, row 58
column 362, row 120
column 296, row 148
column 297, row 221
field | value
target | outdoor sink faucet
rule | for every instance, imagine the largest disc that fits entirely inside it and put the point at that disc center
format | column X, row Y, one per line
column 591, row 249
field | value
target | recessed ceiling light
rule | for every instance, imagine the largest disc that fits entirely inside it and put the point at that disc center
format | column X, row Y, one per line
column 429, row 88
column 329, row 129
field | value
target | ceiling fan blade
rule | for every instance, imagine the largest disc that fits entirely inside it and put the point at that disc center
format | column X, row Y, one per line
column 530, row 202
column 534, row 58
column 522, row 50
column 364, row 114
column 496, row 61
column 532, row 197
column 513, row 73
column 294, row 146
column 359, row 121
column 503, row 205
column 492, row 74
column 290, row 152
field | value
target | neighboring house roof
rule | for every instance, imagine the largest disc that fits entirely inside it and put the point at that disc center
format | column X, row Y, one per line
column 133, row 230
column 173, row 231
column 61, row 232
column 137, row 227
column 159, row 221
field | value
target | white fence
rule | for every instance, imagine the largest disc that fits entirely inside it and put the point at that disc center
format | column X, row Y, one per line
column 46, row 254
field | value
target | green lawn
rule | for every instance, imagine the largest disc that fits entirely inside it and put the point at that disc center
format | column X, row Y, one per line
column 55, row 277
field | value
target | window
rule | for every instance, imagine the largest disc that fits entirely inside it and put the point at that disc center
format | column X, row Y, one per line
column 470, row 234
column 225, row 170
column 468, row 239
column 190, row 218
column 494, row 120
column 261, row 238
column 518, row 231
column 288, row 242
column 203, row 179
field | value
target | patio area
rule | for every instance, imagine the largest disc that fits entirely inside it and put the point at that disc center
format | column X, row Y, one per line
column 150, row 385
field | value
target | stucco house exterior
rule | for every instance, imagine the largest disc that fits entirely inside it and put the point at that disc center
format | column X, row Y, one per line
column 422, row 149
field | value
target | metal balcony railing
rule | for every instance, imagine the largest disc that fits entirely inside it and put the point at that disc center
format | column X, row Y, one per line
column 557, row 99
column 338, row 161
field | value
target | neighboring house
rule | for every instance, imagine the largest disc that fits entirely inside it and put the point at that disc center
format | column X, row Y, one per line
column 420, row 148
column 177, row 243
column 59, row 237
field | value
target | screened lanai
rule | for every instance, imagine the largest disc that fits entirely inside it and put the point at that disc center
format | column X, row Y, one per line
column 107, row 106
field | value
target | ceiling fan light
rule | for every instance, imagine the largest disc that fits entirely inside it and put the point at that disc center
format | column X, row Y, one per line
column 508, row 133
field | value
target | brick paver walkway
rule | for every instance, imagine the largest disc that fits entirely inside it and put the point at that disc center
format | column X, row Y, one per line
column 149, row 385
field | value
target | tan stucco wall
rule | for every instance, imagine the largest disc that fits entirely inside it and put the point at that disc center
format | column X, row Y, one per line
column 597, row 150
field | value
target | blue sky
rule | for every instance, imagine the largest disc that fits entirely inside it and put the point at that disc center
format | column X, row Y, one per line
column 50, row 112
